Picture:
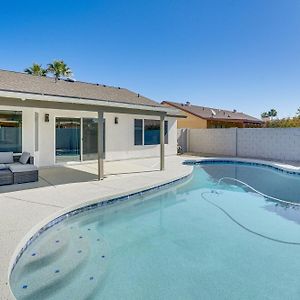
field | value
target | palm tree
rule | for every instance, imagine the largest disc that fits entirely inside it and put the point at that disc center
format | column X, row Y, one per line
column 272, row 113
column 264, row 115
column 36, row 70
column 59, row 69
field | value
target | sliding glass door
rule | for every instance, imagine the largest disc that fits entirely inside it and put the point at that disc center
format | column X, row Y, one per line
column 68, row 139
column 90, row 138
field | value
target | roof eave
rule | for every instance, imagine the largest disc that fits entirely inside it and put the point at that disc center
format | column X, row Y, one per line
column 176, row 116
column 178, row 107
column 233, row 120
column 92, row 102
column 208, row 119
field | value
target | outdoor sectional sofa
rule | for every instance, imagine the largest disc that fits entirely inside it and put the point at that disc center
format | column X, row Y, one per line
column 17, row 169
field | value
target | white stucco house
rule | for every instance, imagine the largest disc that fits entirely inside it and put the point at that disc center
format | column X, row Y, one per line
column 70, row 121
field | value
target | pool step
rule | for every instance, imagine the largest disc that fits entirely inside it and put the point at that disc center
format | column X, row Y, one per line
column 61, row 260
column 45, row 254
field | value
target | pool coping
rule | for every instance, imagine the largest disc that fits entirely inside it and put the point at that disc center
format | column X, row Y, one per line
column 70, row 211
column 279, row 166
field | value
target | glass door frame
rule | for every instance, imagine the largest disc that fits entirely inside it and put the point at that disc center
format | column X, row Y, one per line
column 87, row 153
column 80, row 139
column 55, row 139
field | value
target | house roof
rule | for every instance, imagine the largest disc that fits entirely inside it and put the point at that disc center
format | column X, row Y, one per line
column 209, row 113
column 11, row 81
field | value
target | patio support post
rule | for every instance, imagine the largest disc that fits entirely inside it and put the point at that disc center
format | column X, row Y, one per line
column 162, row 142
column 100, row 146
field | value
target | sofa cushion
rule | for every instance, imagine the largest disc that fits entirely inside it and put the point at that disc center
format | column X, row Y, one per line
column 13, row 164
column 6, row 157
column 3, row 167
column 16, row 168
column 24, row 158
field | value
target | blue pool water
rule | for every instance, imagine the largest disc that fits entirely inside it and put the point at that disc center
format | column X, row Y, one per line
column 195, row 240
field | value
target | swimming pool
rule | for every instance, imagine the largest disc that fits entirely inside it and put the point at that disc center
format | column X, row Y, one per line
column 204, row 238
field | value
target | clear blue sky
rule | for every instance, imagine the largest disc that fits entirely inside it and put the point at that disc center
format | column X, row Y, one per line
column 222, row 53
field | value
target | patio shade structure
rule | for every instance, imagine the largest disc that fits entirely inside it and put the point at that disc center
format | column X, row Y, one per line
column 37, row 100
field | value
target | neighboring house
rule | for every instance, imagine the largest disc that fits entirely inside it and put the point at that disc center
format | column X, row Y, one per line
column 58, row 122
column 206, row 117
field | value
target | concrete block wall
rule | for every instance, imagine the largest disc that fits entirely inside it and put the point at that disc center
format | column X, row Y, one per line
column 213, row 141
column 270, row 143
column 264, row 143
column 182, row 138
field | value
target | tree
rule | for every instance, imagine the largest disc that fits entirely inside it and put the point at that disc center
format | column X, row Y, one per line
column 36, row 70
column 264, row 115
column 286, row 122
column 59, row 69
column 272, row 113
column 298, row 113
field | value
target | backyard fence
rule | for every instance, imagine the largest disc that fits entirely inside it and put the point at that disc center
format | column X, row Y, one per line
column 265, row 143
column 182, row 139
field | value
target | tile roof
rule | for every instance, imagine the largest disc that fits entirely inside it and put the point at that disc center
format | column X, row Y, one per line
column 20, row 82
column 209, row 113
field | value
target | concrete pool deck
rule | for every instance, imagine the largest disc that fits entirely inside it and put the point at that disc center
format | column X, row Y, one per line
column 25, row 206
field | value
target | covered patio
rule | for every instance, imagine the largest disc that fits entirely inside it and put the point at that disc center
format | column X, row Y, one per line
column 14, row 99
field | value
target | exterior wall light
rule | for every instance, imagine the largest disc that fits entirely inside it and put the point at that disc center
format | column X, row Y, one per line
column 47, row 118
column 116, row 120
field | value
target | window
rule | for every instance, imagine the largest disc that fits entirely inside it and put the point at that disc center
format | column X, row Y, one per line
column 147, row 132
column 11, row 131
column 151, row 132
column 138, row 132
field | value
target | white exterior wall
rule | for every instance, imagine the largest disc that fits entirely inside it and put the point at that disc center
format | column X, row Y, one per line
column 119, row 137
